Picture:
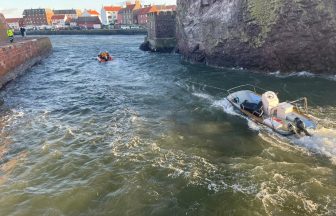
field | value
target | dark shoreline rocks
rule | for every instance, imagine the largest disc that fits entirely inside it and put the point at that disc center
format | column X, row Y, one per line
column 147, row 47
column 278, row 35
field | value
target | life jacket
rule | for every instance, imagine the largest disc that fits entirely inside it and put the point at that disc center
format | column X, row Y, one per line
column 10, row 33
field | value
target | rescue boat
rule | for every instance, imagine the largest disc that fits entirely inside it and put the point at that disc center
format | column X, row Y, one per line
column 104, row 60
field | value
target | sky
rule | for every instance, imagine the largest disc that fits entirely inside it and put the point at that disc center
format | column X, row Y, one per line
column 14, row 8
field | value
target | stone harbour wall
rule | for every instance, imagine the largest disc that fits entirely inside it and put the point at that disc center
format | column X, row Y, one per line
column 16, row 58
column 161, row 32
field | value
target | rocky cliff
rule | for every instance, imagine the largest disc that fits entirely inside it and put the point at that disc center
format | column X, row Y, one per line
column 269, row 35
column 3, row 28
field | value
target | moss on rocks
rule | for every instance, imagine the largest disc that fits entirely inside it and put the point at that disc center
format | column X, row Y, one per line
column 265, row 13
column 285, row 35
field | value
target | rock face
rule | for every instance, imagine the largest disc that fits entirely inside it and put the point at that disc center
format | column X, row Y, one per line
column 3, row 28
column 268, row 35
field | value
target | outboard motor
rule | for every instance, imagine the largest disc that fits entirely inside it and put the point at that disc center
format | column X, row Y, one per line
column 301, row 127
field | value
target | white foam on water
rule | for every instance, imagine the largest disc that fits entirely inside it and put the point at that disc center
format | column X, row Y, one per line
column 198, row 171
column 278, row 74
column 253, row 126
column 294, row 74
column 323, row 142
column 226, row 106
column 272, row 196
column 332, row 77
column 203, row 96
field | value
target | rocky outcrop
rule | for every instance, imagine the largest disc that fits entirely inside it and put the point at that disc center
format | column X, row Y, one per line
column 268, row 35
column 3, row 28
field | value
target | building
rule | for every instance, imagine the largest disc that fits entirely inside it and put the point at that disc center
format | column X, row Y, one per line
column 37, row 17
column 109, row 14
column 90, row 13
column 141, row 15
column 15, row 23
column 126, row 15
column 89, row 22
column 59, row 20
column 70, row 13
column 72, row 22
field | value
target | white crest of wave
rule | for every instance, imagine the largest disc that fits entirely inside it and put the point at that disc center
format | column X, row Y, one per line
column 278, row 74
column 203, row 96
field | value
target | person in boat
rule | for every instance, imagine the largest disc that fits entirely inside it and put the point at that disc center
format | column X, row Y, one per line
column 104, row 55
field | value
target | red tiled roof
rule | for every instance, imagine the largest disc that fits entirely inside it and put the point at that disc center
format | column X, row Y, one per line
column 58, row 17
column 93, row 12
column 146, row 10
column 13, row 20
column 112, row 8
column 166, row 7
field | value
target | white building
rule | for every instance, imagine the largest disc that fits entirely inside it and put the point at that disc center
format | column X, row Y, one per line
column 58, row 20
column 109, row 14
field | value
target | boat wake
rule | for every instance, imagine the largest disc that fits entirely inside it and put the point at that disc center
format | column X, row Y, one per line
column 323, row 141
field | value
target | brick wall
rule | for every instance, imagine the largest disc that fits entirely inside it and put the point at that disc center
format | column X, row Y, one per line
column 3, row 28
column 17, row 57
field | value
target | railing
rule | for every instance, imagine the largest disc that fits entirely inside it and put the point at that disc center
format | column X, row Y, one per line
column 300, row 104
column 252, row 87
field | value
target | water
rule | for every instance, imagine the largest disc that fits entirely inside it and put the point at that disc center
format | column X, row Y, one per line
column 135, row 137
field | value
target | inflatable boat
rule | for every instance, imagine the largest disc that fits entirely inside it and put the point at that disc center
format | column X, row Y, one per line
column 104, row 60
column 263, row 107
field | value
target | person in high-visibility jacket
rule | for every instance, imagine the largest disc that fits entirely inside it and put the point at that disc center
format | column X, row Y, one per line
column 10, row 34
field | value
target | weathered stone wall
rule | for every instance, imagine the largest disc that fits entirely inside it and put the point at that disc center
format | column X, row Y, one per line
column 165, row 23
column 18, row 57
column 267, row 35
column 3, row 28
column 161, row 32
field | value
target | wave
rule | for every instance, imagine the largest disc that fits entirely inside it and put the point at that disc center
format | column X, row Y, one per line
column 278, row 74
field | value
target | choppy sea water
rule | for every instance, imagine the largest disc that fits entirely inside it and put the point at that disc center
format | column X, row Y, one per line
column 135, row 137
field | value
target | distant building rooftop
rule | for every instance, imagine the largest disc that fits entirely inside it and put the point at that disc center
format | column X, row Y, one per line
column 112, row 8
column 93, row 12
column 58, row 17
column 13, row 20
column 88, row 20
column 67, row 11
